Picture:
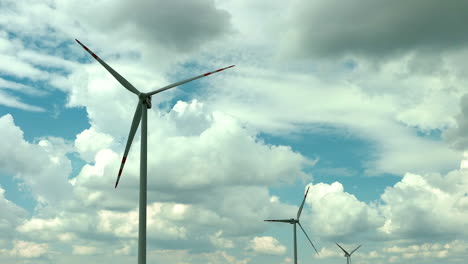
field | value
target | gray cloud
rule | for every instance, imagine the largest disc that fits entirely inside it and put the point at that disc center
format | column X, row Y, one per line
column 334, row 28
column 176, row 25
column 457, row 136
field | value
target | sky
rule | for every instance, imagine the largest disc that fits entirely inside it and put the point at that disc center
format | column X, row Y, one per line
column 363, row 102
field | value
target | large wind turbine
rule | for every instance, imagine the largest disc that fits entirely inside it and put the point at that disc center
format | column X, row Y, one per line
column 144, row 103
column 294, row 222
column 346, row 254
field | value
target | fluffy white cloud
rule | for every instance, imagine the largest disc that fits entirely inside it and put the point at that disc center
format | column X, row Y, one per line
column 429, row 205
column 90, row 141
column 26, row 249
column 84, row 250
column 267, row 245
column 201, row 200
column 160, row 221
column 338, row 214
column 39, row 165
column 12, row 215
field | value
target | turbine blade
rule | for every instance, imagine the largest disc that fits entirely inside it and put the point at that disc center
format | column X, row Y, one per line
column 307, row 237
column 131, row 135
column 355, row 249
column 302, row 205
column 116, row 75
column 342, row 249
column 280, row 220
column 186, row 81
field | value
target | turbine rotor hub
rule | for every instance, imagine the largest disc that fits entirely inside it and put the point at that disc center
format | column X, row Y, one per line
column 146, row 100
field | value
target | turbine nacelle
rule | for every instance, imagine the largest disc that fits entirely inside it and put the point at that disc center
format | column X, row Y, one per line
column 146, row 99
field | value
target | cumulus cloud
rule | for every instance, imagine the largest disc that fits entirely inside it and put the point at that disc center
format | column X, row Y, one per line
column 431, row 205
column 267, row 245
column 338, row 214
column 419, row 207
column 187, row 202
column 89, row 142
column 39, row 165
column 26, row 249
column 12, row 216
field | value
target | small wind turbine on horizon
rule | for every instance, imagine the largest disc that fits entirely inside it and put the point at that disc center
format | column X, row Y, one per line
column 144, row 103
column 294, row 222
column 348, row 255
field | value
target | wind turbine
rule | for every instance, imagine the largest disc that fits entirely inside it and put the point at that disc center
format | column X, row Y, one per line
column 346, row 254
column 144, row 103
column 294, row 222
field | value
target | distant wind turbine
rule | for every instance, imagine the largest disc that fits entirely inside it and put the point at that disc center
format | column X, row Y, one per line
column 294, row 222
column 348, row 255
column 144, row 103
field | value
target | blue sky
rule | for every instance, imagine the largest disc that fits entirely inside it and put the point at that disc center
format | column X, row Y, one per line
column 369, row 112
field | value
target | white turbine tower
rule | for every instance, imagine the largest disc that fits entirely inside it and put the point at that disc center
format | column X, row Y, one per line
column 294, row 222
column 144, row 103
column 348, row 255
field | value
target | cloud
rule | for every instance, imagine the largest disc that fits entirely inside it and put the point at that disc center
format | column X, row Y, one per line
column 427, row 251
column 334, row 28
column 171, row 25
column 218, row 241
column 19, row 87
column 366, row 108
column 431, row 205
column 27, row 249
column 89, row 142
column 338, row 214
column 417, row 208
column 190, row 206
column 12, row 216
column 267, row 245
column 39, row 165
column 84, row 250
column 214, row 198
column 15, row 102
column 456, row 136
